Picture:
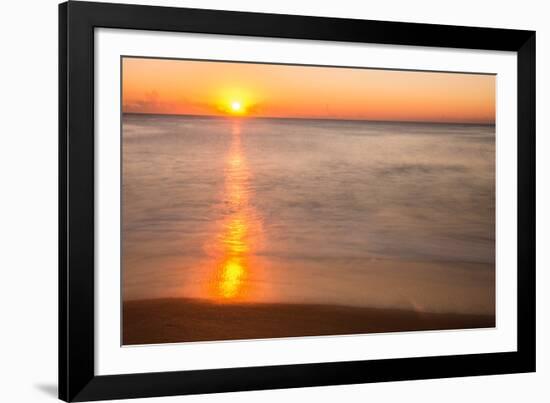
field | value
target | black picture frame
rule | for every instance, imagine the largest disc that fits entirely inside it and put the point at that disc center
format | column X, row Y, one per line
column 77, row 378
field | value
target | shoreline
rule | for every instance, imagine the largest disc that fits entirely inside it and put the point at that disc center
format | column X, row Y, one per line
column 173, row 320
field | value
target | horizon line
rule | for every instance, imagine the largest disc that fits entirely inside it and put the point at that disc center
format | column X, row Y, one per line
column 312, row 118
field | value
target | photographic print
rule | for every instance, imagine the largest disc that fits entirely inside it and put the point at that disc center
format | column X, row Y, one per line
column 269, row 200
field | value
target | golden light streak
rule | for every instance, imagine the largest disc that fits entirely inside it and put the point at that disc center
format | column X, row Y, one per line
column 239, row 231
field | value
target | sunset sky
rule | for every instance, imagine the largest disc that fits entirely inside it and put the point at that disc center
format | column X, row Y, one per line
column 160, row 86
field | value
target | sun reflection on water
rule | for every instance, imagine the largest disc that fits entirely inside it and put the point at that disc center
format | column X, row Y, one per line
column 240, row 230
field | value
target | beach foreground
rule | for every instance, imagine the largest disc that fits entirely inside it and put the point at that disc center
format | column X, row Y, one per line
column 186, row 320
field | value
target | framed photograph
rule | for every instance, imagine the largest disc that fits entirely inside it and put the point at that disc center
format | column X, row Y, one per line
column 255, row 201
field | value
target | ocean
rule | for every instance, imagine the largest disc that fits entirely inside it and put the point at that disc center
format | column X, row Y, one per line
column 354, row 213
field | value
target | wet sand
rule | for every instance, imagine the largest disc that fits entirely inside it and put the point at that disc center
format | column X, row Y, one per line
column 186, row 320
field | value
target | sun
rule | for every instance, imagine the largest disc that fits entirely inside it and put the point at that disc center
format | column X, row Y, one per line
column 236, row 106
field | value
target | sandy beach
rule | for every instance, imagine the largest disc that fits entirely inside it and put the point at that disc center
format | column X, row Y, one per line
column 187, row 320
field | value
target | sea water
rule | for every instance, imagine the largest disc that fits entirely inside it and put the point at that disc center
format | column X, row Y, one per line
column 309, row 211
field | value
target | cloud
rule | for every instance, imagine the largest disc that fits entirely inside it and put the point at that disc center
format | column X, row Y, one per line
column 151, row 103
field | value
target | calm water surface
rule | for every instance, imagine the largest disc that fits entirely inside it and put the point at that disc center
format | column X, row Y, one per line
column 332, row 212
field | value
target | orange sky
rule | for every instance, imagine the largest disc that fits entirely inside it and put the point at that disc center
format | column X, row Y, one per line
column 268, row 90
